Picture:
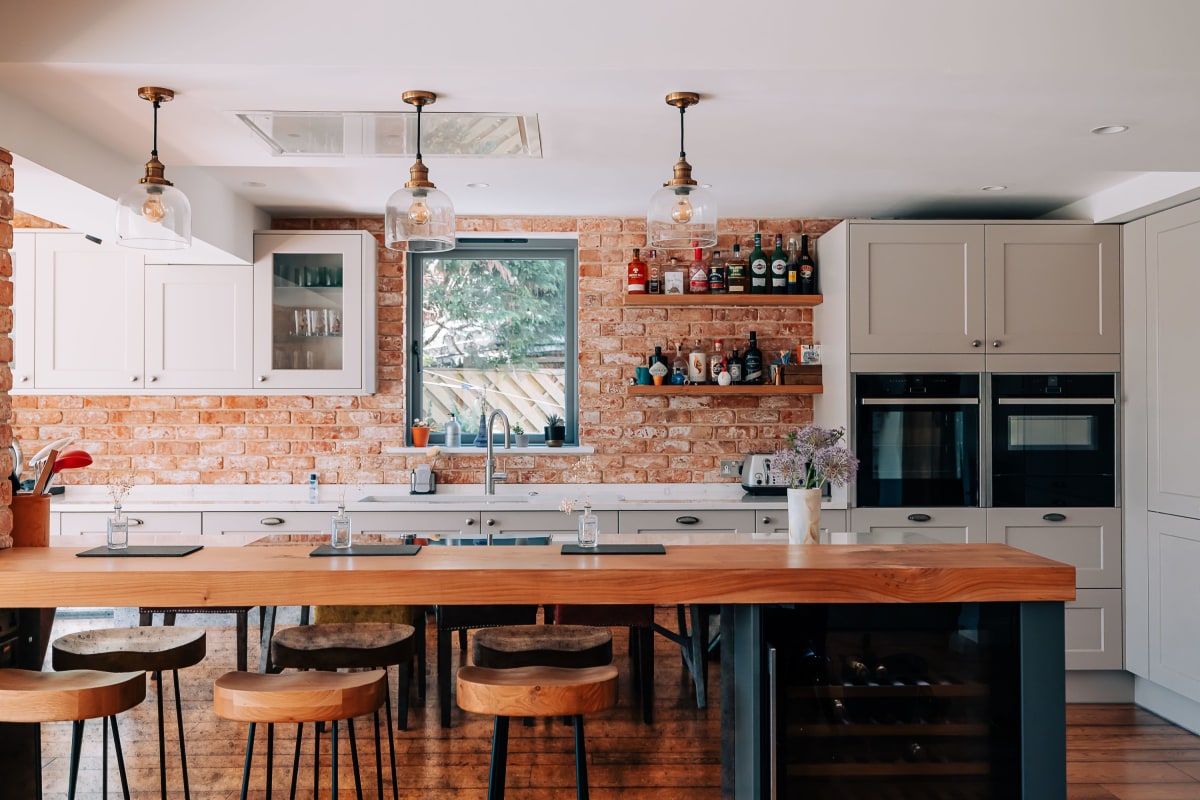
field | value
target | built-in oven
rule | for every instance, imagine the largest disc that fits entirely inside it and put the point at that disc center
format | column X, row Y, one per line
column 917, row 439
column 1053, row 440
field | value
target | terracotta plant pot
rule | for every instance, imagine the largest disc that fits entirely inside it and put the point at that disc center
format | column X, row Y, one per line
column 420, row 437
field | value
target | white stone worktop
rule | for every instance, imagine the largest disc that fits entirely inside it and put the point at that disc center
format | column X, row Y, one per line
column 520, row 497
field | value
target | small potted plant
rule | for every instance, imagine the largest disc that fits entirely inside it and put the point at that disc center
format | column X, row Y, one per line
column 421, row 428
column 520, row 435
column 555, row 431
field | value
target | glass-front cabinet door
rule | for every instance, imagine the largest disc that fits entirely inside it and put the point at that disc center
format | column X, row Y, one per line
column 315, row 310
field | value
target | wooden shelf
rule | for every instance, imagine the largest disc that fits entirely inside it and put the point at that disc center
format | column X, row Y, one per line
column 824, row 730
column 706, row 389
column 896, row 768
column 802, row 300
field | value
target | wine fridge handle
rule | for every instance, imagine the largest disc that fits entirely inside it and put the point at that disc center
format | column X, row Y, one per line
column 772, row 721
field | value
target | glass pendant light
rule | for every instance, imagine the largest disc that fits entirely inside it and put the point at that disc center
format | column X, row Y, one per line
column 154, row 215
column 682, row 214
column 419, row 217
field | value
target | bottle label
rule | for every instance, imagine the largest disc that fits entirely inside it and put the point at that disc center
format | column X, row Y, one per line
column 697, row 367
column 806, row 272
column 658, row 368
column 758, row 266
column 735, row 372
column 779, row 267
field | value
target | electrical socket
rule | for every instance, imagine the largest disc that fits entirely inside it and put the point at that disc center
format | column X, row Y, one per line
column 731, row 467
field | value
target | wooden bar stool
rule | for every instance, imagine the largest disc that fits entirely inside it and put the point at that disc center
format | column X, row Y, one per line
column 535, row 692
column 240, row 613
column 301, row 697
column 79, row 695
column 138, row 649
column 571, row 646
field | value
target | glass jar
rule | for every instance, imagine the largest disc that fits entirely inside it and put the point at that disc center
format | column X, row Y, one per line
column 118, row 529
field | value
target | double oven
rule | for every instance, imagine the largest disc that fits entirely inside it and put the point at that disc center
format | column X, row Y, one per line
column 992, row 440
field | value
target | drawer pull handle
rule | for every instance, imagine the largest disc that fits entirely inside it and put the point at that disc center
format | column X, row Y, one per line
column 271, row 521
column 919, row 518
column 1054, row 517
column 136, row 521
column 688, row 520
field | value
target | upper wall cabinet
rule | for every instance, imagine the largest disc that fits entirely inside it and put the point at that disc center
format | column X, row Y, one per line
column 994, row 289
column 314, row 321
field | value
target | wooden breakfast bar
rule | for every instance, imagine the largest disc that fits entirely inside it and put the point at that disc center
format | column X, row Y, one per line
column 993, row 600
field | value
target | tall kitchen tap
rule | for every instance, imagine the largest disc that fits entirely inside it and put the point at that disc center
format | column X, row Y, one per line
column 490, row 476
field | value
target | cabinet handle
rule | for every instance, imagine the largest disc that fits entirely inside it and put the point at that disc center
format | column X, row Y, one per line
column 153, row 378
column 995, row 343
column 919, row 518
column 133, row 378
column 1054, row 517
column 689, row 520
column 976, row 343
column 470, row 521
column 24, row 378
column 136, row 521
column 271, row 521
column 262, row 378
column 766, row 520
column 491, row 523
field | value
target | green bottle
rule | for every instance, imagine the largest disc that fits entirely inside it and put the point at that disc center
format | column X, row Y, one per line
column 759, row 277
column 779, row 261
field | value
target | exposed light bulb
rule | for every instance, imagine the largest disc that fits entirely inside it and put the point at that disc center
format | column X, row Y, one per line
column 681, row 212
column 418, row 212
column 153, row 209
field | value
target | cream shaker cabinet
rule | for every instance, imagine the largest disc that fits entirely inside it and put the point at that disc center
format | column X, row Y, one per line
column 988, row 289
column 944, row 525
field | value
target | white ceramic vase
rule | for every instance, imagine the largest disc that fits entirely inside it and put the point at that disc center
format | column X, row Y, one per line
column 804, row 516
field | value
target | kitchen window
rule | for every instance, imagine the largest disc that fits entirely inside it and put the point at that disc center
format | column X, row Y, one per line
column 493, row 325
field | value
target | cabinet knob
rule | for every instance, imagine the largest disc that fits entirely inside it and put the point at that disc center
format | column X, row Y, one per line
column 469, row 521
column 976, row 343
column 262, row 378
column 24, row 379
column 491, row 523
column 153, row 378
column 995, row 343
column 271, row 521
column 133, row 378
column 1054, row 517
column 919, row 518
column 766, row 520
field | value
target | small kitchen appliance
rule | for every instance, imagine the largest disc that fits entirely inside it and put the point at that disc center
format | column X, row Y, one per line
column 756, row 476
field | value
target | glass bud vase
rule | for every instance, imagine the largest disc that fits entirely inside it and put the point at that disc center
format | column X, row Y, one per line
column 340, row 529
column 589, row 528
column 118, row 530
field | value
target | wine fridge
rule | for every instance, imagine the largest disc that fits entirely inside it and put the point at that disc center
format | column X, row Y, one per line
column 875, row 702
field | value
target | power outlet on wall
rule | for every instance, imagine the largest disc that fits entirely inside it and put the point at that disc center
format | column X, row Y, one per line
column 731, row 467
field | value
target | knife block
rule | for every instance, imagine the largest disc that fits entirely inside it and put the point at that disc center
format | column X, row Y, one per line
column 31, row 520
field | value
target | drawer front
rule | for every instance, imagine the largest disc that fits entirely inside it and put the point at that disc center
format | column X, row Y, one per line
column 242, row 527
column 1093, row 630
column 1087, row 538
column 944, row 525
column 772, row 525
column 152, row 527
column 418, row 523
column 504, row 523
column 685, row 521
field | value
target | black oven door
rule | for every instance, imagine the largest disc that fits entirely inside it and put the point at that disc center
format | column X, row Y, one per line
column 917, row 440
column 1053, row 440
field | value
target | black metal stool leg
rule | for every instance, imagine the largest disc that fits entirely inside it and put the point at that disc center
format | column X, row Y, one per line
column 270, row 756
column 391, row 746
column 379, row 757
column 581, row 780
column 296, row 759
column 162, row 737
column 443, row 674
column 496, row 773
column 354, row 758
column 120, row 758
column 187, row 791
column 76, row 742
column 316, row 758
column 333, row 758
column 403, row 683
column 104, row 758
column 249, row 757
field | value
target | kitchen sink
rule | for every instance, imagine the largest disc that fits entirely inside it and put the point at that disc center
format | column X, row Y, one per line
column 458, row 499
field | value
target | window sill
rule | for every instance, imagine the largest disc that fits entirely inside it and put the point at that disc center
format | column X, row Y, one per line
column 531, row 450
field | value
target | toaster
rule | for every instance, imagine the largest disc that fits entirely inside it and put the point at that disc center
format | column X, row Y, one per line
column 756, row 476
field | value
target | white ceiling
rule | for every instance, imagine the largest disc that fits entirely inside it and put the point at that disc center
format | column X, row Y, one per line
column 838, row 108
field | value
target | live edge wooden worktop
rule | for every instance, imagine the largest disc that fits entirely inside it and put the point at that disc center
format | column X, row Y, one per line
column 735, row 574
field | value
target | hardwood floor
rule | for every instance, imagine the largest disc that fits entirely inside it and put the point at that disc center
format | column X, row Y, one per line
column 1117, row 752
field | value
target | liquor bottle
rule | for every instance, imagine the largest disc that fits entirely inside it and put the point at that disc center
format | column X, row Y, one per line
column 758, row 268
column 779, row 261
column 698, row 284
column 736, row 279
column 752, row 362
column 659, row 369
column 717, row 278
column 793, row 268
column 636, row 274
column 674, row 278
column 654, row 273
column 808, row 269
column 680, row 363
column 697, row 371
column 716, row 363
column 658, row 357
column 736, row 369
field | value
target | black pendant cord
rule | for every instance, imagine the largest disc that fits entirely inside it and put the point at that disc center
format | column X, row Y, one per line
column 682, row 110
column 154, row 149
column 418, row 133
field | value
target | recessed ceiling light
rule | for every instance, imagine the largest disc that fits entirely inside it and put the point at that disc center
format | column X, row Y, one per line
column 254, row 185
column 478, row 185
column 995, row 187
column 1108, row 130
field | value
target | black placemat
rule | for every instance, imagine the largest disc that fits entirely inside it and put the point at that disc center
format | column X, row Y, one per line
column 615, row 550
column 368, row 550
column 145, row 551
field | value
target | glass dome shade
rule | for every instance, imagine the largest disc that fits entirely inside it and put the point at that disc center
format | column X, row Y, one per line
column 154, row 216
column 681, row 217
column 419, row 219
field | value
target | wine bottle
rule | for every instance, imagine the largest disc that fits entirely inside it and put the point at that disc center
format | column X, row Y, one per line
column 779, row 267
column 636, row 274
column 699, row 274
column 654, row 273
column 716, row 274
column 752, row 362
column 808, row 269
column 793, row 268
column 734, row 365
column 716, row 362
column 735, row 272
column 758, row 268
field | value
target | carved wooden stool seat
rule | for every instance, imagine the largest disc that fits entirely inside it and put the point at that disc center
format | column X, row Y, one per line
column 78, row 695
column 302, row 697
column 570, row 646
column 139, row 649
column 536, row 692
column 240, row 613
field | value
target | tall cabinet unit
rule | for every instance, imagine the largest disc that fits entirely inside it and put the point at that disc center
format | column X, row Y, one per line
column 315, row 310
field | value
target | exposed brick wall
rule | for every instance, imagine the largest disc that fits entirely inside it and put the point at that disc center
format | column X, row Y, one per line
column 6, row 323
column 270, row 439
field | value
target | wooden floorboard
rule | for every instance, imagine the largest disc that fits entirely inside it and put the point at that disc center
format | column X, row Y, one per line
column 1114, row 752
